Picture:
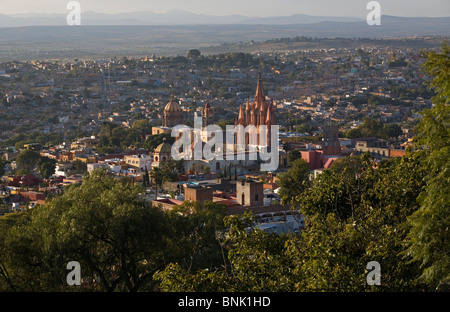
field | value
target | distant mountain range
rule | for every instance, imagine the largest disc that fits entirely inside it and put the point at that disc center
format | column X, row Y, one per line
column 216, row 29
column 174, row 17
column 47, row 36
column 179, row 17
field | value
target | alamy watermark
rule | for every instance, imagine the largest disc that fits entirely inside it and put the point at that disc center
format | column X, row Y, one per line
column 374, row 276
column 74, row 16
column 74, row 276
column 374, row 16
column 241, row 143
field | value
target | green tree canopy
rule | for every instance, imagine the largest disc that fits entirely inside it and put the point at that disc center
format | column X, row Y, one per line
column 27, row 161
column 429, row 236
column 104, row 224
column 194, row 53
column 155, row 140
column 46, row 167
column 294, row 181
column 354, row 213
column 3, row 163
column 143, row 126
column 392, row 130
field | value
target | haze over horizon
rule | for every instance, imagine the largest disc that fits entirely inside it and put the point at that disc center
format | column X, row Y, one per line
column 250, row 8
column 110, row 29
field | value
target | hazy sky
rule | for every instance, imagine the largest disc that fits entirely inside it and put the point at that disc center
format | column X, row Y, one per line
column 354, row 8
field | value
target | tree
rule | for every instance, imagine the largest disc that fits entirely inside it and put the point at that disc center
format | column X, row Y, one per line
column 78, row 167
column 27, row 161
column 168, row 171
column 354, row 133
column 46, row 167
column 429, row 241
column 287, row 147
column 143, row 126
column 146, row 178
column 118, row 238
column 106, row 129
column 293, row 156
column 369, row 128
column 304, row 128
column 437, row 66
column 104, row 224
column 392, row 130
column 197, row 226
column 354, row 213
column 193, row 53
column 158, row 179
column 3, row 163
column 294, row 181
column 155, row 140
column 14, row 265
column 255, row 262
column 171, row 169
column 259, row 261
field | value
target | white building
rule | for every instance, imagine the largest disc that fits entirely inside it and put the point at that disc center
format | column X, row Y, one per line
column 61, row 169
column 139, row 161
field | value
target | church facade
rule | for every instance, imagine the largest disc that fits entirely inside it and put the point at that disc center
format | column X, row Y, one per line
column 259, row 112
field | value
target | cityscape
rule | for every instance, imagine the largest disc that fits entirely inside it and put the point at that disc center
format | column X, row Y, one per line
column 96, row 196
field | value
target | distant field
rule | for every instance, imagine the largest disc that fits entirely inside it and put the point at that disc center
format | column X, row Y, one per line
column 337, row 43
column 97, row 42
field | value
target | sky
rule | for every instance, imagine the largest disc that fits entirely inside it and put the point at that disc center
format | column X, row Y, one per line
column 260, row 8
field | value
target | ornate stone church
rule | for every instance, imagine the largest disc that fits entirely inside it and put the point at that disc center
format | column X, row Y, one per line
column 259, row 112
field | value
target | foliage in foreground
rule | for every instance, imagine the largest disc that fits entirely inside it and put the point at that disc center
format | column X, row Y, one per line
column 354, row 214
column 106, row 225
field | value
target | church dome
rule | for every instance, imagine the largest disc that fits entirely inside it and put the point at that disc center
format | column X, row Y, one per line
column 172, row 106
column 164, row 148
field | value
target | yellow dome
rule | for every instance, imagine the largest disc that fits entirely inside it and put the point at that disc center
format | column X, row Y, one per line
column 164, row 148
column 172, row 106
